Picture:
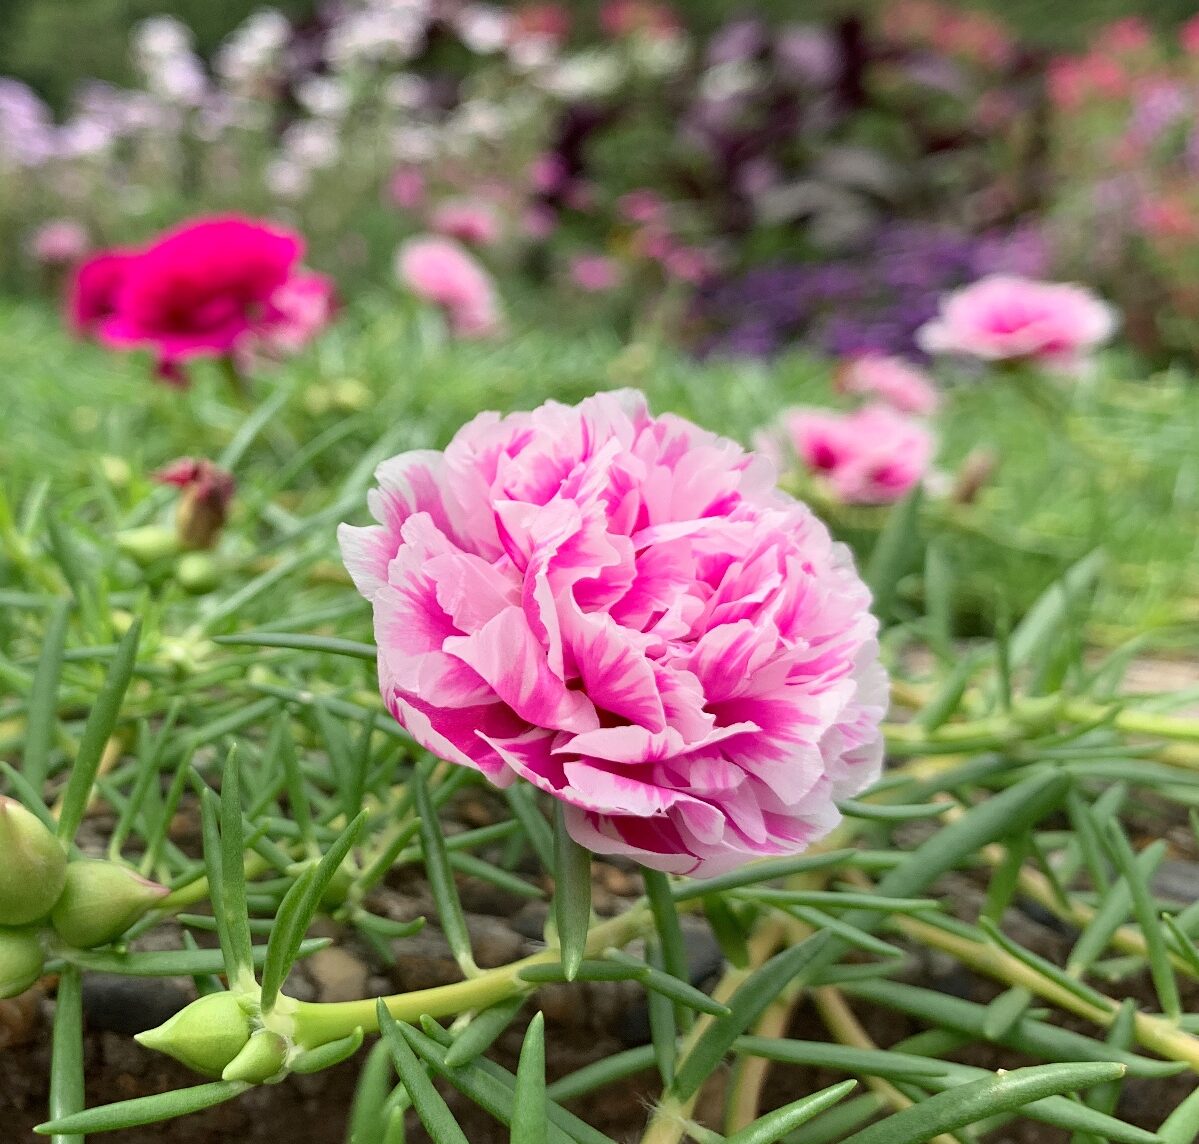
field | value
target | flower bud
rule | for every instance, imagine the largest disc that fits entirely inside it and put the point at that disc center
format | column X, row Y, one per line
column 148, row 544
column 264, row 1057
column 206, row 1036
column 21, row 961
column 197, row 573
column 33, row 865
column 100, row 901
column 207, row 491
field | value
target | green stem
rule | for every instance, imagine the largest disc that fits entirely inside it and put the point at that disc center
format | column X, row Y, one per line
column 315, row 1023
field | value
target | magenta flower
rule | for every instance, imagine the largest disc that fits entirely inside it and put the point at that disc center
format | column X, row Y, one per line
column 1005, row 318
column 92, row 298
column 891, row 380
column 440, row 271
column 215, row 287
column 468, row 220
column 624, row 611
column 871, row 456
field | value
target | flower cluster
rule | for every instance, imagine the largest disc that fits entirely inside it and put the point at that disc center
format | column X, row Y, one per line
column 622, row 610
column 225, row 287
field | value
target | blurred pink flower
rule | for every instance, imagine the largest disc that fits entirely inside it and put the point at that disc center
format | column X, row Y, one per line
column 642, row 206
column 621, row 18
column 471, row 221
column 625, row 612
column 294, row 314
column 540, row 22
column 440, row 271
column 595, row 273
column 1188, row 36
column 687, row 264
column 60, row 242
column 407, row 188
column 871, row 456
column 1006, row 318
column 892, row 380
column 538, row 221
column 210, row 287
column 548, row 173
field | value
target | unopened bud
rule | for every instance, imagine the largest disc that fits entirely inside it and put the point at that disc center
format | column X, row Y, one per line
column 206, row 1036
column 21, row 961
column 197, row 572
column 264, row 1057
column 147, row 545
column 207, row 491
column 100, row 901
column 33, row 866
column 975, row 472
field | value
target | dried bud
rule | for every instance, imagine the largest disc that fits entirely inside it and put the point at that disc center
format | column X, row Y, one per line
column 976, row 470
column 204, row 505
column 206, row 1036
column 100, row 901
column 21, row 961
column 264, row 1057
column 33, row 866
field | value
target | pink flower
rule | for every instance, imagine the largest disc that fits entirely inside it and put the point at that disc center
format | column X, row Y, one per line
column 871, row 456
column 92, row 297
column 595, row 273
column 206, row 288
column 407, row 188
column 642, row 206
column 294, row 314
column 60, row 242
column 655, row 21
column 548, row 173
column 624, row 611
column 1188, row 36
column 440, row 271
column 891, row 379
column 468, row 220
column 1005, row 318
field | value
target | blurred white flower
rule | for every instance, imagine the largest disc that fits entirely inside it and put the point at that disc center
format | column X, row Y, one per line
column 405, row 91
column 414, row 143
column 253, row 48
column 324, row 96
column 286, row 179
column 483, row 29
column 659, row 56
column 161, row 37
column 312, row 144
column 587, row 75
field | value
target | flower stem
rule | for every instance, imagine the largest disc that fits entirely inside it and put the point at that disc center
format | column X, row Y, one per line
column 315, row 1024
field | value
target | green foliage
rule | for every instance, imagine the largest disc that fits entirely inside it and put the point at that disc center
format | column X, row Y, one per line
column 1018, row 766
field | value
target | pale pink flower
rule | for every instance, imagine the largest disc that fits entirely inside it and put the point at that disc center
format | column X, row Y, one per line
column 624, row 611
column 642, row 206
column 1006, row 318
column 440, row 271
column 595, row 273
column 59, row 242
column 407, row 188
column 871, row 456
column 471, row 221
column 892, row 380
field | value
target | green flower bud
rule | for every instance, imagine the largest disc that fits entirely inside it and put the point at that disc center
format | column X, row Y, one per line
column 148, row 544
column 21, row 961
column 264, row 1057
column 33, row 866
column 205, row 1036
column 198, row 572
column 100, row 901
